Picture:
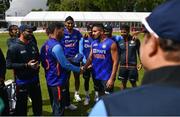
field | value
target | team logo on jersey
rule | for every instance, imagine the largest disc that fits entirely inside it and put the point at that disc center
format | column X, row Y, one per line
column 104, row 46
column 87, row 46
column 23, row 51
column 33, row 48
column 132, row 41
column 67, row 36
column 69, row 41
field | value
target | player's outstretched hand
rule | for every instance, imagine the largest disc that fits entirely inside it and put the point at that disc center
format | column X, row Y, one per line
column 82, row 69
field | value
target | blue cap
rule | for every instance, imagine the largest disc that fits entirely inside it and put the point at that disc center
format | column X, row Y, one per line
column 22, row 28
column 164, row 21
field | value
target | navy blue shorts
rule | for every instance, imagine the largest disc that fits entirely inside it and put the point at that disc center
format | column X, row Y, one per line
column 128, row 74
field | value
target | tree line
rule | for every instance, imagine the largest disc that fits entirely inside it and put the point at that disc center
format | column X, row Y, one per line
column 4, row 5
column 103, row 5
column 94, row 5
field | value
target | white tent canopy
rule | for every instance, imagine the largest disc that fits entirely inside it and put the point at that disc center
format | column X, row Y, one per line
column 14, row 20
column 18, row 19
column 85, row 16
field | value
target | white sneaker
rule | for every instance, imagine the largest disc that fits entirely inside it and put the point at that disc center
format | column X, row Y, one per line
column 96, row 98
column 71, row 107
column 77, row 97
column 29, row 99
column 86, row 101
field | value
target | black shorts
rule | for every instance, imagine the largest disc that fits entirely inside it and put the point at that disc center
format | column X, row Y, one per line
column 87, row 73
column 100, row 86
column 128, row 74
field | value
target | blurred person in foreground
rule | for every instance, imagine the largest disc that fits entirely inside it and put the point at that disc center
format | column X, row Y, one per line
column 160, row 55
column 3, row 91
column 1, row 105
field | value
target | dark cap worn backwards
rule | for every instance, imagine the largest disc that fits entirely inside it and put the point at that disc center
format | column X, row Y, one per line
column 22, row 28
column 164, row 21
column 69, row 18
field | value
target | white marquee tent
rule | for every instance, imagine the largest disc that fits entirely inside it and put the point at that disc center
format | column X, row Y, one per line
column 44, row 18
column 85, row 16
column 14, row 20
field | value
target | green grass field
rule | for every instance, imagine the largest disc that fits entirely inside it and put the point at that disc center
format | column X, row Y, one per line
column 82, row 110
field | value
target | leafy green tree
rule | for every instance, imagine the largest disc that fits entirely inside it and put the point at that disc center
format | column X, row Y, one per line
column 87, row 5
column 69, row 5
column 147, row 5
column 53, row 5
column 4, row 5
column 103, row 5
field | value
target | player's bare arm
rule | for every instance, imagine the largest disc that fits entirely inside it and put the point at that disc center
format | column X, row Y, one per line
column 114, row 54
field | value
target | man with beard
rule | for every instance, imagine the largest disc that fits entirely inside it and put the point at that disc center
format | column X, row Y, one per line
column 14, row 34
column 104, row 59
column 128, row 49
column 23, row 58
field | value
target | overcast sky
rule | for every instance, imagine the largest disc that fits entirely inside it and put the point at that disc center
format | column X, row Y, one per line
column 23, row 7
